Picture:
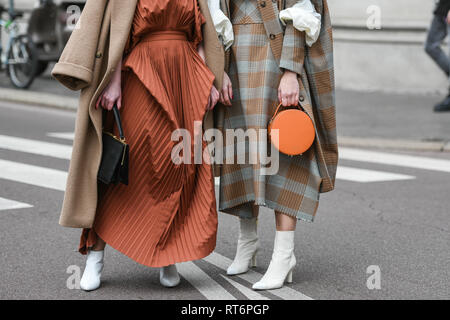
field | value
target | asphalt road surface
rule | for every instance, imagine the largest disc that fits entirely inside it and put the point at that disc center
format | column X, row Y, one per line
column 384, row 233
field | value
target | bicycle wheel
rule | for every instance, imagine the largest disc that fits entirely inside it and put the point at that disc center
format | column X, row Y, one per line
column 22, row 62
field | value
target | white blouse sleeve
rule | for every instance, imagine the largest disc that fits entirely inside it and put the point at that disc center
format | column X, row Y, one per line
column 222, row 24
column 304, row 17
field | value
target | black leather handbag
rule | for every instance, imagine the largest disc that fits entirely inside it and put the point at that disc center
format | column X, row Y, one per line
column 115, row 156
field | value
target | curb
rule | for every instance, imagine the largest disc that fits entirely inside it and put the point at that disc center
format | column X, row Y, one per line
column 56, row 101
column 39, row 99
column 394, row 144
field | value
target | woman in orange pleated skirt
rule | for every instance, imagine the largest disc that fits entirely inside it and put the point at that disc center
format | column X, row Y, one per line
column 167, row 214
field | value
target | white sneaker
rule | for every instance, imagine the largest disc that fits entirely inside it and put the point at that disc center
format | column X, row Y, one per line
column 247, row 248
column 92, row 272
column 169, row 277
column 282, row 263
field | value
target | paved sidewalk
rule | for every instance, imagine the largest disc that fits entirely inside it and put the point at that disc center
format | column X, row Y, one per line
column 391, row 116
column 365, row 119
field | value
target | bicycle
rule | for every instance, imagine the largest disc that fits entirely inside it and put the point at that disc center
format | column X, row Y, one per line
column 19, row 58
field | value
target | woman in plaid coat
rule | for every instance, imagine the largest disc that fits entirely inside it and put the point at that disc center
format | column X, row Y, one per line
column 282, row 52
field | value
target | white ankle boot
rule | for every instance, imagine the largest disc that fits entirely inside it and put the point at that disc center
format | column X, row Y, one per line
column 282, row 263
column 93, row 271
column 247, row 247
column 168, row 276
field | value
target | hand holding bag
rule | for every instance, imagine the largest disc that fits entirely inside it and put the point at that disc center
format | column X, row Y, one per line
column 115, row 156
column 296, row 131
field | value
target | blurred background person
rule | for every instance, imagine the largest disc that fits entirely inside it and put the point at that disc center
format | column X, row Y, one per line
column 438, row 32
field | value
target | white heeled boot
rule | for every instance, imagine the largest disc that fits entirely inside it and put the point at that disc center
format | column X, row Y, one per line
column 247, row 247
column 168, row 276
column 282, row 263
column 92, row 272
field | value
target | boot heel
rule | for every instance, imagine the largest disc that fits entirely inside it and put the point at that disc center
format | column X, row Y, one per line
column 289, row 277
column 253, row 261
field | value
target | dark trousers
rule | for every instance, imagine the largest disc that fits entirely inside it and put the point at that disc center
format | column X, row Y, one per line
column 438, row 32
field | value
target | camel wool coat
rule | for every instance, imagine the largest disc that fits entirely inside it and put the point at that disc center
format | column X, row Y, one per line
column 87, row 64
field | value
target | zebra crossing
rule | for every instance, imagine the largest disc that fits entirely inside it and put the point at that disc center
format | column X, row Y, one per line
column 8, row 204
column 210, row 288
column 56, row 179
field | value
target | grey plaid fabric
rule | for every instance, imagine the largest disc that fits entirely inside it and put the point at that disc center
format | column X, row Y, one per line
column 255, row 63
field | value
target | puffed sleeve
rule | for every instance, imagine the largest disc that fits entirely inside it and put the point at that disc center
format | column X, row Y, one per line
column 303, row 25
column 304, row 17
column 222, row 24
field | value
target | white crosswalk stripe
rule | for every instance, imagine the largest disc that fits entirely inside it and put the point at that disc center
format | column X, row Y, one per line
column 33, row 175
column 393, row 159
column 8, row 204
column 41, row 148
column 365, row 175
column 62, row 135
column 361, row 175
column 249, row 293
column 206, row 285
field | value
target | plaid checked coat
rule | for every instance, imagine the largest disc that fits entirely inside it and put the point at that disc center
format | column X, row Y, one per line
column 263, row 48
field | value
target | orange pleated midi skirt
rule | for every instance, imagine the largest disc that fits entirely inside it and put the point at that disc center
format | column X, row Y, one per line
column 167, row 214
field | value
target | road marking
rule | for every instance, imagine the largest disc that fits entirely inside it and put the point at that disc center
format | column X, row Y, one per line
column 249, row 293
column 365, row 175
column 251, row 276
column 393, row 159
column 62, row 135
column 360, row 175
column 359, row 155
column 42, row 148
column 343, row 173
column 34, row 175
column 7, row 204
column 201, row 281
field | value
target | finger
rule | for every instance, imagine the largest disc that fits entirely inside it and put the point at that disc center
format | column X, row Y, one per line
column 215, row 98
column 290, row 100
column 226, row 98
column 103, row 103
column 119, row 102
column 230, row 93
column 287, row 101
column 208, row 104
column 110, row 104
column 280, row 97
column 98, row 102
column 293, row 102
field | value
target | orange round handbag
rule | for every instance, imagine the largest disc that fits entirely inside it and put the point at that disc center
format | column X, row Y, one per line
column 296, row 131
